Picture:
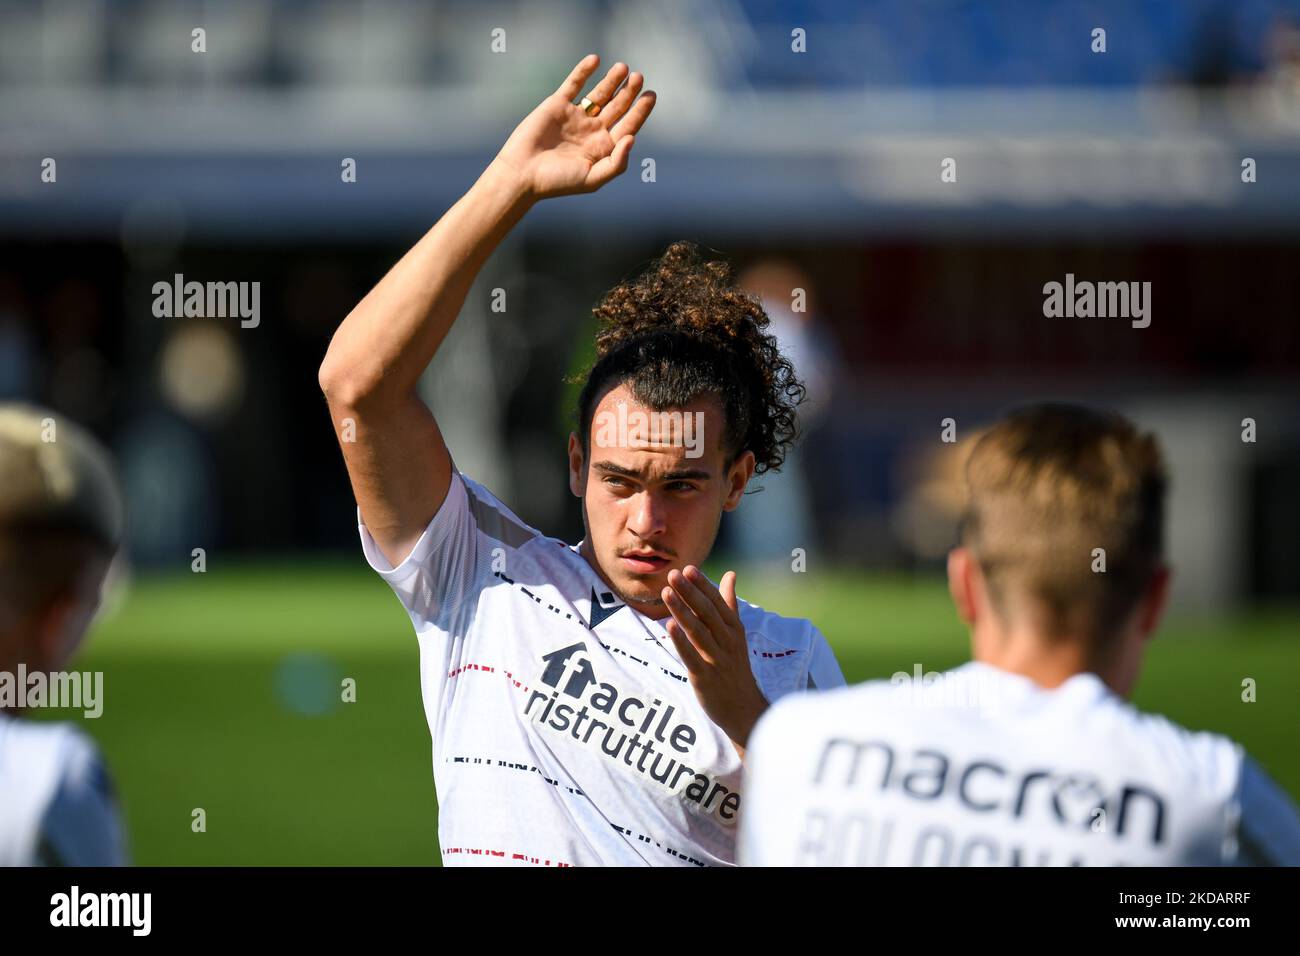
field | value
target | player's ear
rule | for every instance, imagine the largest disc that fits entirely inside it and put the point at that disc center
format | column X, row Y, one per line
column 577, row 467
column 961, row 585
column 738, row 475
column 1154, row 601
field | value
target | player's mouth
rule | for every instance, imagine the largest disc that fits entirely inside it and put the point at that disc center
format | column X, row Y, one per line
column 644, row 562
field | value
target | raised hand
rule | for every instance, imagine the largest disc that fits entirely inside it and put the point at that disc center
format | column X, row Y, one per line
column 559, row 150
column 708, row 634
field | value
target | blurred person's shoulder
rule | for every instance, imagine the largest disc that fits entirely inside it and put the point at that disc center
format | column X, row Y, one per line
column 1208, row 761
column 1262, row 820
column 37, row 752
column 828, row 705
column 783, row 730
column 1008, row 707
column 1112, row 730
column 57, row 801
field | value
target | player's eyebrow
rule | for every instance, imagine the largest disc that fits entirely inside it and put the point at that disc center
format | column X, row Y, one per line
column 683, row 474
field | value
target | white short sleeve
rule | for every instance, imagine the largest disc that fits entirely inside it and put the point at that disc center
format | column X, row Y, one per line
column 823, row 669
column 439, row 571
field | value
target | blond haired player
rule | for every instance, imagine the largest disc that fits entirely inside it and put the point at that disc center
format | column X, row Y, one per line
column 1029, row 754
column 61, row 521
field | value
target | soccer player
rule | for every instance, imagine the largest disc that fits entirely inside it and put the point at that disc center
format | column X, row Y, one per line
column 589, row 704
column 61, row 521
column 1029, row 754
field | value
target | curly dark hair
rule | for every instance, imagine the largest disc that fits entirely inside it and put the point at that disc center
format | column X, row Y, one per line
column 681, row 330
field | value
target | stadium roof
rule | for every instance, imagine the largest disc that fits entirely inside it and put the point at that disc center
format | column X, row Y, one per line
column 1038, row 161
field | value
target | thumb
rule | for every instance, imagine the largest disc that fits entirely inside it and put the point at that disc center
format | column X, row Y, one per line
column 728, row 590
column 610, row 166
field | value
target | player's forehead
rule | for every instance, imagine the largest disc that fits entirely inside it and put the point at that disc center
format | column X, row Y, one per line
column 656, row 441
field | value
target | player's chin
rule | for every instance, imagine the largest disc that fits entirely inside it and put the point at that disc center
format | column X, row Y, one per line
column 644, row 587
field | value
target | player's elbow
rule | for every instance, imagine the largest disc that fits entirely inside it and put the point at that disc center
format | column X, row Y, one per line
column 329, row 377
column 333, row 381
column 344, row 384
column 356, row 374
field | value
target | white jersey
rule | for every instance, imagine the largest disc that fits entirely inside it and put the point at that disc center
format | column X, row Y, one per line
column 984, row 767
column 56, row 803
column 565, row 731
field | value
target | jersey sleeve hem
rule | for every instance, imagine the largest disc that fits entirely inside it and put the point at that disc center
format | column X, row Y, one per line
column 433, row 536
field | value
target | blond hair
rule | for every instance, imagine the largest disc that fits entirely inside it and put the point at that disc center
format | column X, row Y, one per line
column 60, row 504
column 1047, row 486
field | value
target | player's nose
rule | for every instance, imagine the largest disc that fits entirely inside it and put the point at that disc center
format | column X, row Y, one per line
column 649, row 516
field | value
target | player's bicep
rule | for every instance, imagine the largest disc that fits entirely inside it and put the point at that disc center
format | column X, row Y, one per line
column 436, row 579
column 399, row 468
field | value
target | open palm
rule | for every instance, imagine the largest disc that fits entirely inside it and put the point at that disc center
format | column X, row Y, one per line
column 558, row 149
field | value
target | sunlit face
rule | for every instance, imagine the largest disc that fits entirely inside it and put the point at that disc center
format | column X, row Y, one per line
column 653, row 491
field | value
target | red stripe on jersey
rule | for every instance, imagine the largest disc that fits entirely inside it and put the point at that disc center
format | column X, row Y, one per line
column 484, row 668
column 538, row 861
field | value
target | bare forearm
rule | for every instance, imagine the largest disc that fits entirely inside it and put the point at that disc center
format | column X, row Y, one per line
column 388, row 339
column 398, row 463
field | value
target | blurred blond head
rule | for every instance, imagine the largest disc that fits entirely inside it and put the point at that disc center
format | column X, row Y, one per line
column 61, row 522
column 1047, row 487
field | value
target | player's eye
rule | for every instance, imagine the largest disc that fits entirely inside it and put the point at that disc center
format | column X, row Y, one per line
column 682, row 486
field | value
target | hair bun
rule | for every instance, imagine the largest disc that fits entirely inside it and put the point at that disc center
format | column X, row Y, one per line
column 682, row 326
column 681, row 291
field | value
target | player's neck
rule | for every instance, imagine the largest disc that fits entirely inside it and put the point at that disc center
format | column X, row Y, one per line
column 1048, row 663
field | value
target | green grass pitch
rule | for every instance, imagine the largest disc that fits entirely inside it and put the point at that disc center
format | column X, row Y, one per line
column 221, row 692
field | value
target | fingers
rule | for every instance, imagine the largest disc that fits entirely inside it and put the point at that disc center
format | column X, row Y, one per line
column 636, row 116
column 578, row 78
column 616, row 107
column 701, row 597
column 725, row 609
column 603, row 170
column 688, row 621
column 604, row 90
column 729, row 593
column 690, row 657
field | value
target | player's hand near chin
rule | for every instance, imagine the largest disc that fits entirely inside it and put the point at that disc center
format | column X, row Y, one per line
column 558, row 149
column 708, row 634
